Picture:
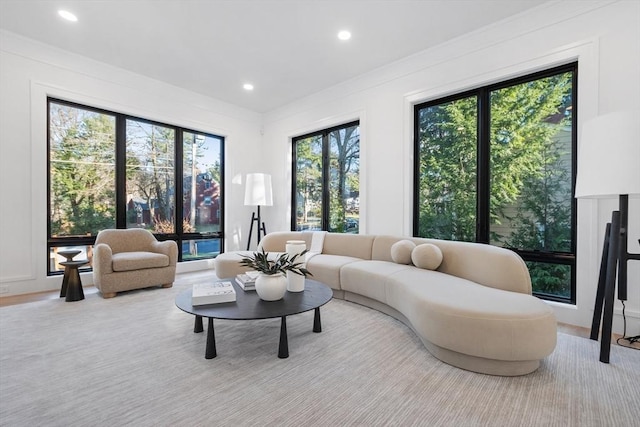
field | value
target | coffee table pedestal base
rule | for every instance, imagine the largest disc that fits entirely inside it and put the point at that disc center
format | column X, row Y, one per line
column 283, row 345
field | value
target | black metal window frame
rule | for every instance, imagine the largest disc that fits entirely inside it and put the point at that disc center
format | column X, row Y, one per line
column 120, row 182
column 482, row 95
column 324, row 134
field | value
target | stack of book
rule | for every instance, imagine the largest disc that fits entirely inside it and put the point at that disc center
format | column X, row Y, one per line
column 247, row 281
column 212, row 293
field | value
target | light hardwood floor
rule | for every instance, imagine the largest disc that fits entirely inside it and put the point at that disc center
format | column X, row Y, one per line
column 88, row 290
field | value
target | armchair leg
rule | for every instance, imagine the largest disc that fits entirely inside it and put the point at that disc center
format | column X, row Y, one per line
column 167, row 285
column 106, row 295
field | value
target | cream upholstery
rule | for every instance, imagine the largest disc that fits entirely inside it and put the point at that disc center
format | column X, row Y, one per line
column 474, row 311
column 401, row 251
column 426, row 256
column 132, row 259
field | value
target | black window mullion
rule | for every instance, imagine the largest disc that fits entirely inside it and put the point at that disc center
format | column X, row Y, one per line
column 574, row 159
column 325, row 182
column 221, row 233
column 416, row 170
column 48, row 172
column 121, row 171
column 178, row 183
column 294, row 184
column 483, row 190
column 178, row 177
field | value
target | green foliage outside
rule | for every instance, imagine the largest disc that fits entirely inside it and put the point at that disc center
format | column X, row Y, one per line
column 447, row 174
column 308, row 182
column 344, row 176
column 344, row 180
column 530, row 180
column 82, row 171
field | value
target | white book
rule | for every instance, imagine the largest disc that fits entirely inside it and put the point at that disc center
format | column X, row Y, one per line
column 246, row 286
column 245, row 279
column 212, row 293
column 252, row 274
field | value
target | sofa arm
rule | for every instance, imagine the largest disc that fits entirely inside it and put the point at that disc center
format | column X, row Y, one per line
column 168, row 248
column 102, row 259
column 485, row 264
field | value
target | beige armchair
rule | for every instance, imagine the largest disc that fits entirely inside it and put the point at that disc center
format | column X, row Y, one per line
column 132, row 259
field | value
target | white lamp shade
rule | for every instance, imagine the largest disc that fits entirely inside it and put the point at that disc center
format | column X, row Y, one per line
column 609, row 156
column 258, row 190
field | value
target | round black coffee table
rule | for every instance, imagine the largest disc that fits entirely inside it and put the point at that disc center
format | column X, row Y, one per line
column 248, row 306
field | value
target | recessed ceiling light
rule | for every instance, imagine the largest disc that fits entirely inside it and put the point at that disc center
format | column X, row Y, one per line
column 68, row 15
column 247, row 86
column 344, row 35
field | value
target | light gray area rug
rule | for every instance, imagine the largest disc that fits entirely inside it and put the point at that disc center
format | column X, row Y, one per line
column 134, row 360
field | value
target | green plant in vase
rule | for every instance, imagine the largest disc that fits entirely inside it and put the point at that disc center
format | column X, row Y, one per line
column 260, row 262
column 271, row 284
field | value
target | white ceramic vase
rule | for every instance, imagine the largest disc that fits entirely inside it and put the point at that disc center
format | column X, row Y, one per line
column 295, row 282
column 271, row 287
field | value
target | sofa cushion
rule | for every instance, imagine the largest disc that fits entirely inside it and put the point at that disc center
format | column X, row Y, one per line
column 326, row 268
column 401, row 251
column 127, row 261
column 426, row 256
column 369, row 278
column 350, row 245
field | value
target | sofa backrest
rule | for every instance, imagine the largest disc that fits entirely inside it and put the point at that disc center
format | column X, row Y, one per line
column 277, row 241
column 126, row 240
column 484, row 264
column 481, row 263
column 353, row 245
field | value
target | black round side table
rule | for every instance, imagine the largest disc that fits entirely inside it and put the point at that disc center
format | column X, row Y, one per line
column 71, row 283
column 69, row 256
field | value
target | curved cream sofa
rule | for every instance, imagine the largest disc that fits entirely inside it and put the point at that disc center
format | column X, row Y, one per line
column 475, row 311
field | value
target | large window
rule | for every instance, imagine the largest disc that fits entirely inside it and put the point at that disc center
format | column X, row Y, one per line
column 497, row 165
column 109, row 170
column 326, row 185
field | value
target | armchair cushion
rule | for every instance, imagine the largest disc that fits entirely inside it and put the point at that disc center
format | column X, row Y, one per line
column 127, row 261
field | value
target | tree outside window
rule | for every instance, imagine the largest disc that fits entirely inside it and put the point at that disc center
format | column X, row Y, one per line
column 81, row 171
column 496, row 165
column 326, row 188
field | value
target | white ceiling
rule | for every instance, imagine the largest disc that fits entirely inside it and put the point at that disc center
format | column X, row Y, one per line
column 287, row 49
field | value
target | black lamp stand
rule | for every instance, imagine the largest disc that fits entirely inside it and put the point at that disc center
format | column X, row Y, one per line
column 614, row 259
column 261, row 228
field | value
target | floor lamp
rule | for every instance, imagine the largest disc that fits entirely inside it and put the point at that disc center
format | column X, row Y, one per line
column 609, row 165
column 257, row 193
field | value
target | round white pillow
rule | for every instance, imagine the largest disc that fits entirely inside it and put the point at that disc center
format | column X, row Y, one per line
column 401, row 251
column 426, row 256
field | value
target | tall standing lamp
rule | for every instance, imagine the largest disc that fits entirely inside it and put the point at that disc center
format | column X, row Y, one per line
column 609, row 165
column 257, row 193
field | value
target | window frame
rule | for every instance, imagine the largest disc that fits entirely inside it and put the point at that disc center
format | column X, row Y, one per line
column 324, row 134
column 120, row 184
column 483, row 169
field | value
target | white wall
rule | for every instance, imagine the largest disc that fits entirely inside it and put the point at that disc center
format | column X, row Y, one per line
column 29, row 72
column 603, row 36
